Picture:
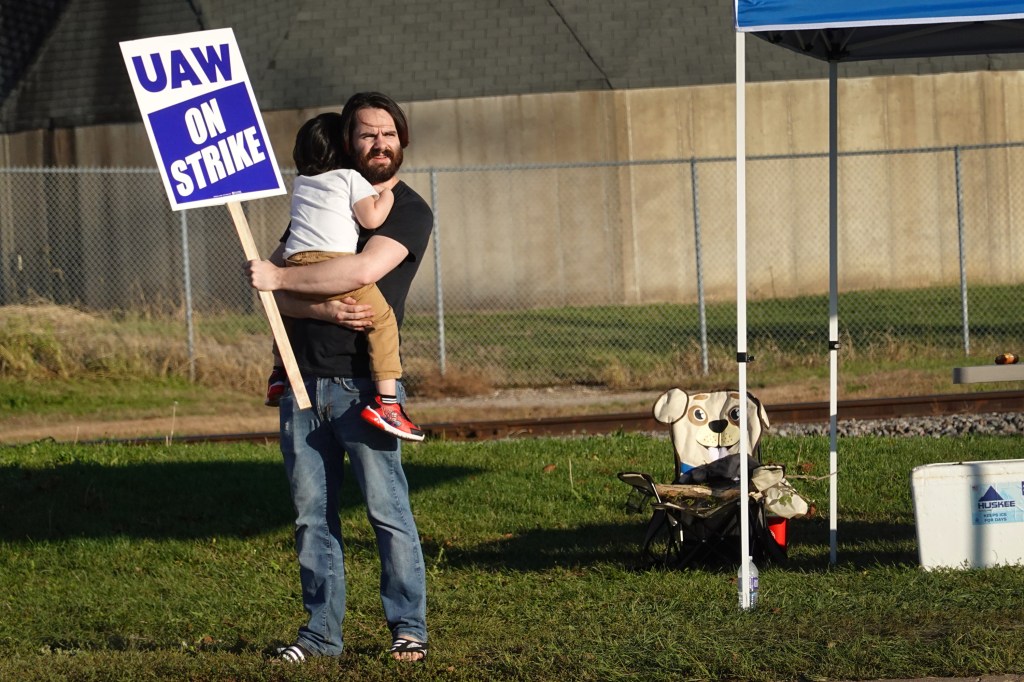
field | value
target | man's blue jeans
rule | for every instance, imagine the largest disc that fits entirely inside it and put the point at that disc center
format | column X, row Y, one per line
column 314, row 443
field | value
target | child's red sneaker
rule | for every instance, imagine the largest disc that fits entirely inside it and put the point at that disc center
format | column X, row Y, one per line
column 391, row 417
column 276, row 385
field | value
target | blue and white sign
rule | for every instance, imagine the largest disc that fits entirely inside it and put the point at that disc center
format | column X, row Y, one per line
column 201, row 115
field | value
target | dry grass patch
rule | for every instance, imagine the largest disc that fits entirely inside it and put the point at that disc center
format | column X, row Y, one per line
column 454, row 383
column 51, row 341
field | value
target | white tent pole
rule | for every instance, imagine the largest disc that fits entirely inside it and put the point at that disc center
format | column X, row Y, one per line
column 741, row 304
column 833, row 302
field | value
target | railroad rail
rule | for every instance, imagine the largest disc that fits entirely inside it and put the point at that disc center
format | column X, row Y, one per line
column 781, row 413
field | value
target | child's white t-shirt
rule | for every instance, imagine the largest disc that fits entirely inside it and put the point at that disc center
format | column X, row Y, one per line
column 321, row 213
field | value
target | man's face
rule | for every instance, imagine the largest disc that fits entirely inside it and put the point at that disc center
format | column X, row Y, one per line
column 376, row 151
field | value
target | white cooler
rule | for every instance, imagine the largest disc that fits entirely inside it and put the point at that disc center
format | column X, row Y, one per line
column 969, row 514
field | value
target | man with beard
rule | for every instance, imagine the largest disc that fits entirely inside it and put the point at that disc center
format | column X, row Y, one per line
column 328, row 198
column 331, row 353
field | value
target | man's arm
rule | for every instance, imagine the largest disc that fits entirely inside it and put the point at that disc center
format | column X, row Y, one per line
column 380, row 255
column 290, row 305
column 336, row 275
column 346, row 312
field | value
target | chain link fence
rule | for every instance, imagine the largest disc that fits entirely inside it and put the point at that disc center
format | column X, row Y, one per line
column 619, row 274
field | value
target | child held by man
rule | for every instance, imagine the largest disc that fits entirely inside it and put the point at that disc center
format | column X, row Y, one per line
column 327, row 200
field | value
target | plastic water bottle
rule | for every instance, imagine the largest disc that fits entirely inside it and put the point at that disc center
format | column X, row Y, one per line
column 752, row 585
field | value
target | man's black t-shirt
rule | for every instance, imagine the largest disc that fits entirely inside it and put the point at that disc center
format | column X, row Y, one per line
column 323, row 349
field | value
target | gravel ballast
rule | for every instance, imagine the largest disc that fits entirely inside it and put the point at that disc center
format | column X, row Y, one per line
column 1009, row 423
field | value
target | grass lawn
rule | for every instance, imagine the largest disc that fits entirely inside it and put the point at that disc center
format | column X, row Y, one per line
column 176, row 562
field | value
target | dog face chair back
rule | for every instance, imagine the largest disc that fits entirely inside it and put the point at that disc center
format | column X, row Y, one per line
column 705, row 426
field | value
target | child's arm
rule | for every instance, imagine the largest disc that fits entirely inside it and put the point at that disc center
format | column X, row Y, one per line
column 371, row 213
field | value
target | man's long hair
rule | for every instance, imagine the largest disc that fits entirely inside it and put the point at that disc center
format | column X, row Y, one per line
column 372, row 100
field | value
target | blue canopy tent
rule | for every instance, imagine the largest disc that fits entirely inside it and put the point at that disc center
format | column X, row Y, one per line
column 836, row 31
column 842, row 31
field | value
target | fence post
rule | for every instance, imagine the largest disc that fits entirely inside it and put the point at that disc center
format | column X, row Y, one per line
column 698, row 251
column 442, row 363
column 963, row 256
column 9, row 261
column 187, row 275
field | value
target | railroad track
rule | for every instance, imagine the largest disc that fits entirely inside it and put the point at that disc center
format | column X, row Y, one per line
column 781, row 413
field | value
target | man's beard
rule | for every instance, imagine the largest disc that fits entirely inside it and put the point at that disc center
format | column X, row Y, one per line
column 377, row 174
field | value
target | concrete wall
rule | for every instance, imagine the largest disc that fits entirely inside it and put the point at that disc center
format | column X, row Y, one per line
column 783, row 117
column 624, row 234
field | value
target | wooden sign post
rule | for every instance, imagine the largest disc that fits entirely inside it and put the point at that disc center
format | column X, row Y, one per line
column 284, row 347
column 209, row 139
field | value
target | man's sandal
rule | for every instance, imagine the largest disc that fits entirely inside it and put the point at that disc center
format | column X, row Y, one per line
column 409, row 646
column 296, row 653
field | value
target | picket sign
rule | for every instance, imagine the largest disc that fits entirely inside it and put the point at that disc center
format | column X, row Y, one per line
column 209, row 139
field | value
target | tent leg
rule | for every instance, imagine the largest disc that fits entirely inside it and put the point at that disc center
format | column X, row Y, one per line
column 741, row 295
column 833, row 300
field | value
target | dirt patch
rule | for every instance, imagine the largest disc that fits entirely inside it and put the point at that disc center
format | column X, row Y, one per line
column 500, row 404
column 78, row 431
column 526, row 403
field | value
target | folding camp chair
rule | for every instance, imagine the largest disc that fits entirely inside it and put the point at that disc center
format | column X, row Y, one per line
column 660, row 544
column 697, row 516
